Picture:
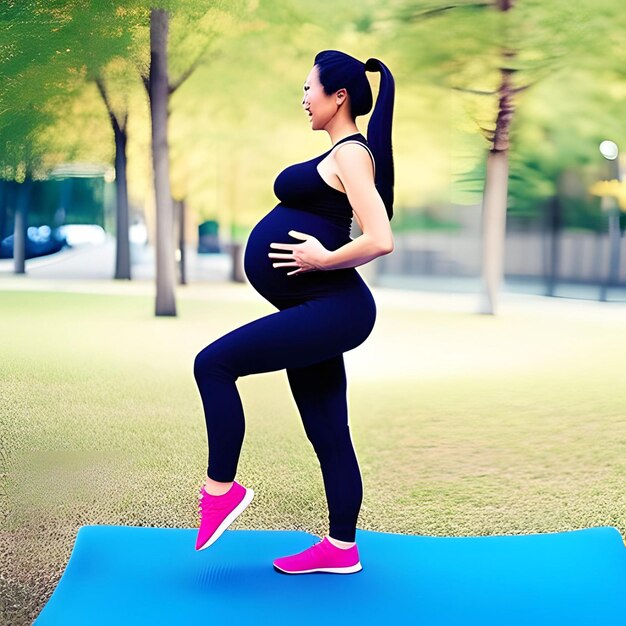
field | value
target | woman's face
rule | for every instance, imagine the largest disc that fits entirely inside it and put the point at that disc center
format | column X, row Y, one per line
column 320, row 107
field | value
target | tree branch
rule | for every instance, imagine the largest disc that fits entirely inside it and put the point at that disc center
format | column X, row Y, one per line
column 474, row 91
column 189, row 71
column 119, row 123
column 107, row 103
column 524, row 87
column 433, row 12
column 144, row 79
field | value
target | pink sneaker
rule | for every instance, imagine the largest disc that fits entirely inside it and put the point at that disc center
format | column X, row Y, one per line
column 321, row 557
column 217, row 513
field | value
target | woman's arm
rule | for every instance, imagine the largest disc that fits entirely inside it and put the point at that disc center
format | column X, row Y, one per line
column 356, row 173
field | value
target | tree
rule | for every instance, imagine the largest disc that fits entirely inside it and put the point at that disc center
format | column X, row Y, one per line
column 119, row 124
column 55, row 48
column 31, row 76
column 492, row 52
column 160, row 87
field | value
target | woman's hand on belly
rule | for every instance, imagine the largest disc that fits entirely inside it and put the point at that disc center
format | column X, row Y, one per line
column 308, row 256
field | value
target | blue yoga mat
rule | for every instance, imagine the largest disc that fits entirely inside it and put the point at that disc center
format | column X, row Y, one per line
column 120, row 575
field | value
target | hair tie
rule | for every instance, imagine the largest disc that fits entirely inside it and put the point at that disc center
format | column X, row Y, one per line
column 372, row 65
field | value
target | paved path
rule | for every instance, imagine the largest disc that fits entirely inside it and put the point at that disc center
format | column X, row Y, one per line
column 88, row 269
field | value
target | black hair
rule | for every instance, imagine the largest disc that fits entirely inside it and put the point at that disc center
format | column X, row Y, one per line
column 339, row 70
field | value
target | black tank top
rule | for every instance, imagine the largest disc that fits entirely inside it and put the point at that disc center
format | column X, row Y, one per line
column 301, row 186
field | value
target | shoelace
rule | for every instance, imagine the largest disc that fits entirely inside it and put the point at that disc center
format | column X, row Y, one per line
column 319, row 550
column 208, row 502
column 317, row 547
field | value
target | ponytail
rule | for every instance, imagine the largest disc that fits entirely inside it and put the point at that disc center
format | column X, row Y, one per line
column 338, row 69
column 379, row 133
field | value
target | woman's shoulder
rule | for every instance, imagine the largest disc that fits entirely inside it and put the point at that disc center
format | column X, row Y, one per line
column 353, row 148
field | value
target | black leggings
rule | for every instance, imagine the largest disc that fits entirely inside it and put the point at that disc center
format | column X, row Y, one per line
column 307, row 339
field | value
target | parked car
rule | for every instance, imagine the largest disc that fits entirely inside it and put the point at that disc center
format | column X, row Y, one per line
column 79, row 234
column 40, row 241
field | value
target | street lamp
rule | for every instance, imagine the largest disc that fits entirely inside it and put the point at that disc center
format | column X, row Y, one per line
column 610, row 151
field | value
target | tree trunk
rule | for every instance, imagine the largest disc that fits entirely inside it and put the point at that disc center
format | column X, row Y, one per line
column 180, row 213
column 122, row 245
column 4, row 193
column 237, row 273
column 496, row 185
column 494, row 228
column 122, row 242
column 21, row 222
column 554, row 229
column 159, row 97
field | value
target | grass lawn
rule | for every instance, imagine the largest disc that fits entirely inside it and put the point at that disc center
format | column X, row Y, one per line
column 463, row 425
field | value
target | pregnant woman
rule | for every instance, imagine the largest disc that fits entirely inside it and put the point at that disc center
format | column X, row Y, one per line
column 300, row 257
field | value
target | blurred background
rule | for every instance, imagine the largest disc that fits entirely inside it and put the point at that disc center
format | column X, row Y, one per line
column 542, row 85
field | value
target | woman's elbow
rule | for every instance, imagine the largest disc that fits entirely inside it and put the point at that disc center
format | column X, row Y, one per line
column 386, row 247
column 381, row 238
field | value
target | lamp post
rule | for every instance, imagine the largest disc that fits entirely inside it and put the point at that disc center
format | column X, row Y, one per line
column 610, row 151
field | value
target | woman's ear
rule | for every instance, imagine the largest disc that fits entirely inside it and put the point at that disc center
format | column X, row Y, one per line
column 340, row 96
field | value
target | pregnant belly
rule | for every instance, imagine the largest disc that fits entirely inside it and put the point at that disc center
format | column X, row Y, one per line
column 273, row 282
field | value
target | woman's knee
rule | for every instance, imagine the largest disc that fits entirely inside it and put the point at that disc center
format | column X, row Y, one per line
column 209, row 359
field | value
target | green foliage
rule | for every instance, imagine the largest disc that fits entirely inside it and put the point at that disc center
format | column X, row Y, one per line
column 567, row 62
column 237, row 119
column 50, row 49
column 408, row 220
